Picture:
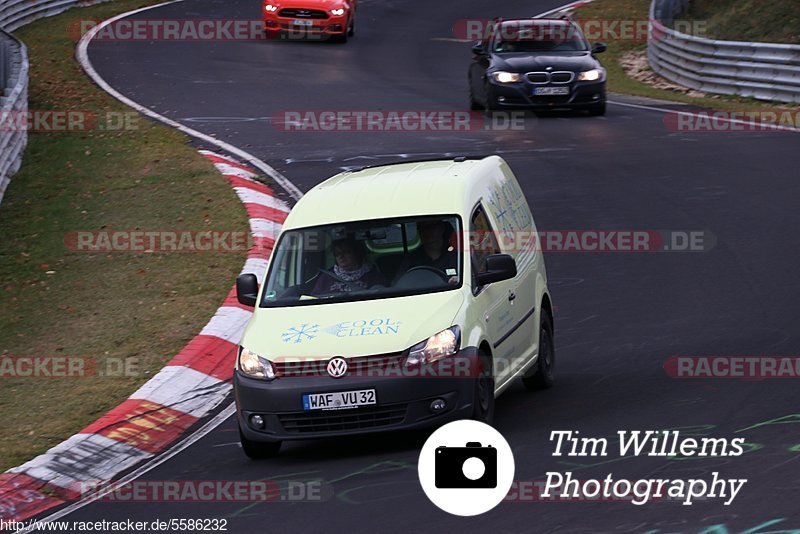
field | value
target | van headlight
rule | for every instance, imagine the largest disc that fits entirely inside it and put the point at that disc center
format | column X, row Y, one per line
column 255, row 366
column 502, row 76
column 338, row 12
column 436, row 347
column 590, row 75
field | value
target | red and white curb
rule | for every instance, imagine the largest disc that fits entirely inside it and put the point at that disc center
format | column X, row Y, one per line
column 192, row 385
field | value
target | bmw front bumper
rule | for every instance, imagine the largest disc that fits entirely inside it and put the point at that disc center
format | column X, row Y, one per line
column 521, row 95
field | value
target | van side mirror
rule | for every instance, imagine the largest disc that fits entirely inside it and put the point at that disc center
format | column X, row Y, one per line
column 478, row 49
column 599, row 48
column 499, row 267
column 247, row 289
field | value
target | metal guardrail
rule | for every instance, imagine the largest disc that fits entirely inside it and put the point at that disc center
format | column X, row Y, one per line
column 14, row 100
column 759, row 70
column 14, row 76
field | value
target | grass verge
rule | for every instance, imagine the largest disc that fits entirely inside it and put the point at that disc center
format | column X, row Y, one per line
column 768, row 21
column 620, row 51
column 111, row 308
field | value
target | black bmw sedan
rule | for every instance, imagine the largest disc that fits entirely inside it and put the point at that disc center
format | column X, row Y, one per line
column 537, row 64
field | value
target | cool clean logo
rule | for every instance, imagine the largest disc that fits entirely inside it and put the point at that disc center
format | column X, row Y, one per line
column 345, row 329
column 364, row 327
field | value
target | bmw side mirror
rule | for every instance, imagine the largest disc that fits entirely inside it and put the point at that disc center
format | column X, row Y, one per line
column 247, row 289
column 478, row 49
column 599, row 48
column 499, row 267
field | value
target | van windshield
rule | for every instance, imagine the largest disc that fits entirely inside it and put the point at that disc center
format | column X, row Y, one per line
column 365, row 260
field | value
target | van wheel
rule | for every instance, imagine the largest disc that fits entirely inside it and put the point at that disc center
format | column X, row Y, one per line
column 483, row 401
column 257, row 450
column 542, row 377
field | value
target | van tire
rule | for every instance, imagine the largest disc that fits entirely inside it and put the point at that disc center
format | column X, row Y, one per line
column 483, row 399
column 257, row 450
column 543, row 372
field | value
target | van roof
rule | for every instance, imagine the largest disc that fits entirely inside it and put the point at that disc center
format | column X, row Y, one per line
column 394, row 190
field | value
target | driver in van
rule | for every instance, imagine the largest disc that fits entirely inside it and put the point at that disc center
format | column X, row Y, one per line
column 351, row 270
column 436, row 250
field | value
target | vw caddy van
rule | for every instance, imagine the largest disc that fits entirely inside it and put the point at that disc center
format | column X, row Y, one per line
column 397, row 297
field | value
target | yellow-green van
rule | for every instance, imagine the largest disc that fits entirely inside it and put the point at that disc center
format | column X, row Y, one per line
column 397, row 297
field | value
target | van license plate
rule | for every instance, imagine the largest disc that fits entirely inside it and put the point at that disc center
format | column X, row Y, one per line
column 340, row 400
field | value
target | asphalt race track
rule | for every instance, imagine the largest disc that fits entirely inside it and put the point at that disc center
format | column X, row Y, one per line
column 619, row 315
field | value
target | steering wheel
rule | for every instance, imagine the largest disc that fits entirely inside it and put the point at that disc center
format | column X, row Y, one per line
column 438, row 272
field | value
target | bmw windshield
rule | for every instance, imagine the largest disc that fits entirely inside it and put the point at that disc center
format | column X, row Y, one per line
column 365, row 260
column 539, row 39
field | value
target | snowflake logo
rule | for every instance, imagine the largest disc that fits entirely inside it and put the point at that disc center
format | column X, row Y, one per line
column 298, row 334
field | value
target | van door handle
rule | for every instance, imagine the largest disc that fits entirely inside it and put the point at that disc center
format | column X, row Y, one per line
column 511, row 296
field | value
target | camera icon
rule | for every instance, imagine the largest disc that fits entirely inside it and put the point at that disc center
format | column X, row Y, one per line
column 470, row 467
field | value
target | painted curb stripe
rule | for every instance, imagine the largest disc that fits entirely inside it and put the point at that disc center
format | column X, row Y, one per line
column 183, row 388
column 250, row 196
column 265, row 212
column 208, row 355
column 81, row 459
column 142, row 424
column 21, row 496
column 238, row 181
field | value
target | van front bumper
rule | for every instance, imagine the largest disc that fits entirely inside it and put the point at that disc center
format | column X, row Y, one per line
column 403, row 403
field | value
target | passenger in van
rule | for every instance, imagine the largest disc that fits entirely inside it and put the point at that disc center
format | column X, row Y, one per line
column 351, row 270
column 436, row 250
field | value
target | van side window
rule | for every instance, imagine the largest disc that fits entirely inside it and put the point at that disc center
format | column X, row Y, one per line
column 483, row 240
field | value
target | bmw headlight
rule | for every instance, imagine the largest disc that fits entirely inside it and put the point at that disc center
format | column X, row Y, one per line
column 338, row 12
column 502, row 76
column 436, row 347
column 591, row 75
column 272, row 8
column 255, row 366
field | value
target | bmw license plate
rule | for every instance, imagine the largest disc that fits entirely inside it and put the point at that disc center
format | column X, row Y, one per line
column 301, row 22
column 551, row 91
column 340, row 400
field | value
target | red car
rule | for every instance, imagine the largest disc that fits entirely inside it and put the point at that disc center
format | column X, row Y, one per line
column 309, row 18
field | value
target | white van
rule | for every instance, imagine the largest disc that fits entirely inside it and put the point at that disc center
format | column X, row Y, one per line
column 398, row 296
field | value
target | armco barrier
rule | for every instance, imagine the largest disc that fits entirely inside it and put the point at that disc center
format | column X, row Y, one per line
column 14, row 100
column 14, row 75
column 760, row 70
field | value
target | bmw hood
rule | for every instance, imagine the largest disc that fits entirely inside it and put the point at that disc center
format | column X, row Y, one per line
column 350, row 329
column 577, row 62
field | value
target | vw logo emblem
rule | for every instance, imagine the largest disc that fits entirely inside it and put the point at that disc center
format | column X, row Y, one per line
column 337, row 367
column 549, row 69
